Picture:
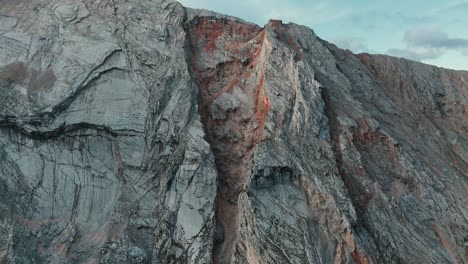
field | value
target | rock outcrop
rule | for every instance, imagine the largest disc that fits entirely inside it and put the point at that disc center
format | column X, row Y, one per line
column 145, row 132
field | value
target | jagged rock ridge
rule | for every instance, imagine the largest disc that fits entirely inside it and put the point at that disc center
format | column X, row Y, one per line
column 144, row 132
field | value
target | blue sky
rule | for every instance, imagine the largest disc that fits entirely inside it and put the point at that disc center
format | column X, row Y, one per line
column 431, row 31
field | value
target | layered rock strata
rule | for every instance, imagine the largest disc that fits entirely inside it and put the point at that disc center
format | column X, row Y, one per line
column 145, row 132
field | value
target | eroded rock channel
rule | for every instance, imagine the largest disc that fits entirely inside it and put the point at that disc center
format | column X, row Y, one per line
column 228, row 63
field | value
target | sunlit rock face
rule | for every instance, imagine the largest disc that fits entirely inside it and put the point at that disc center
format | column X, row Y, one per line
column 145, row 132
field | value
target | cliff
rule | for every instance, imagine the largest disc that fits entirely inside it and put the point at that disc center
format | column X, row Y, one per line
column 145, row 132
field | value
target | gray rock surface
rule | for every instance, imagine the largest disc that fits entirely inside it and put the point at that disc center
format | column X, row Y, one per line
column 144, row 132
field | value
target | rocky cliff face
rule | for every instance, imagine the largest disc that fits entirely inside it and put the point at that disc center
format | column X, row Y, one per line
column 144, row 132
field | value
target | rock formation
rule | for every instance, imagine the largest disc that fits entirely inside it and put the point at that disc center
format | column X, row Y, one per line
column 145, row 132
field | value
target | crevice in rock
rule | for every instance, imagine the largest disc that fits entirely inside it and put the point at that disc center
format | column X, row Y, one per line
column 60, row 131
column 334, row 131
column 354, row 192
column 358, row 194
column 227, row 61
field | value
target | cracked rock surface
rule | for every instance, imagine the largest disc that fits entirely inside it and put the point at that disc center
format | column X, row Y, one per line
column 145, row 132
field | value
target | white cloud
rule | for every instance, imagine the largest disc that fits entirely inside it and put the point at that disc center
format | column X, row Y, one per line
column 416, row 53
column 429, row 43
column 454, row 5
column 354, row 44
column 433, row 37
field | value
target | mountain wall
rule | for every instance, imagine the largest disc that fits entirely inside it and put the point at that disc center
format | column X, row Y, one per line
column 145, row 132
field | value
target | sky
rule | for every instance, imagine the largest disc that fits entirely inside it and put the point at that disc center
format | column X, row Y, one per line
column 430, row 31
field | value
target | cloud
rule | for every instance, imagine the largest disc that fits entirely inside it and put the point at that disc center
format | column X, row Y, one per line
column 429, row 43
column 457, row 5
column 386, row 18
column 434, row 38
column 354, row 44
column 416, row 53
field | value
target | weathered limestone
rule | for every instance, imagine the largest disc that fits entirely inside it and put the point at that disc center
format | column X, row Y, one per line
column 144, row 132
